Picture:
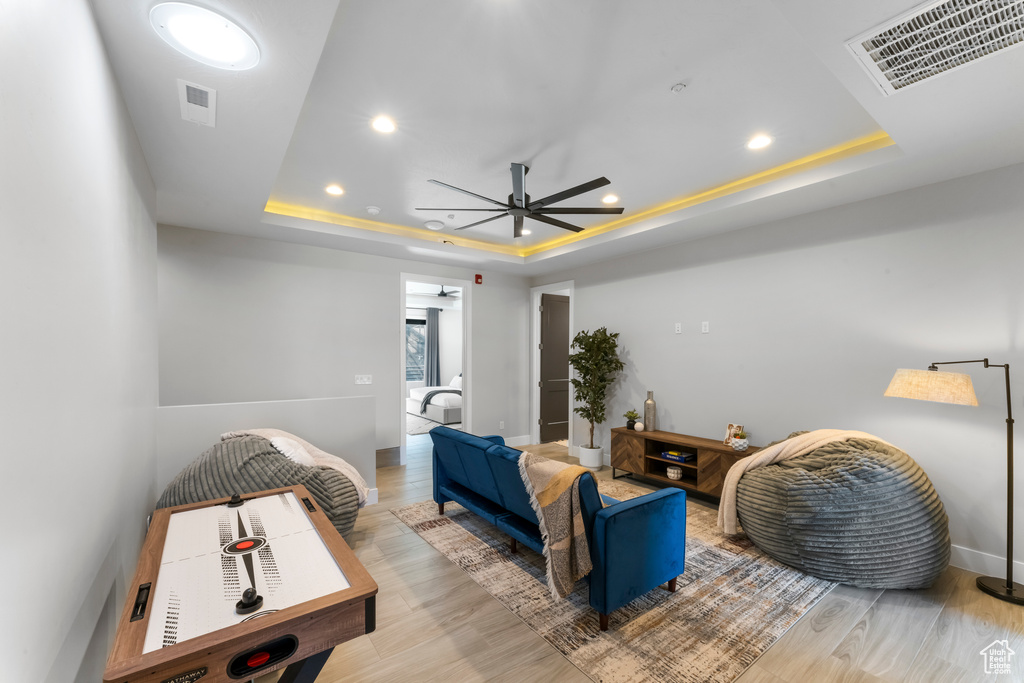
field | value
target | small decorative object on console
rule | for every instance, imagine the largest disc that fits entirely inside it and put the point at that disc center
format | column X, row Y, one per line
column 638, row 427
column 730, row 433
column 739, row 441
column 650, row 412
column 674, row 472
column 631, row 417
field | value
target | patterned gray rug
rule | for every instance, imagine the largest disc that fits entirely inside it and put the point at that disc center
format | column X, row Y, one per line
column 732, row 603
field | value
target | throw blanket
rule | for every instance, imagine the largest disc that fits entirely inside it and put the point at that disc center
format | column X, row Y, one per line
column 285, row 444
column 430, row 394
column 784, row 450
column 554, row 489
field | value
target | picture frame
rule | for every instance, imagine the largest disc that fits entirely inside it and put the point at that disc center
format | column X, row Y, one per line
column 731, row 431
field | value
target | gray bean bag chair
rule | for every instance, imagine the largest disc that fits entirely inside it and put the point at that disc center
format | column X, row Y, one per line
column 246, row 464
column 858, row 512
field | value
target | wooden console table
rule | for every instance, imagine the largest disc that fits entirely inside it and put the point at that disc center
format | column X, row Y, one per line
column 639, row 453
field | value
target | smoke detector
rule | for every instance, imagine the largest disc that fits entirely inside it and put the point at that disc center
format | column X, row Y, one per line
column 434, row 225
column 936, row 38
column 373, row 210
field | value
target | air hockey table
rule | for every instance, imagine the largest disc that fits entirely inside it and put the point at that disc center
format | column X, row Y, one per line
column 234, row 588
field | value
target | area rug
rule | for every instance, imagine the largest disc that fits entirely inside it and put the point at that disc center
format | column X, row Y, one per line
column 732, row 602
column 414, row 424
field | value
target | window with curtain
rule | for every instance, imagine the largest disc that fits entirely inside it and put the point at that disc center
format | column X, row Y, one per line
column 415, row 349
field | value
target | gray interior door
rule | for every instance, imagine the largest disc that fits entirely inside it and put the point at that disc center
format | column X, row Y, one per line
column 554, row 367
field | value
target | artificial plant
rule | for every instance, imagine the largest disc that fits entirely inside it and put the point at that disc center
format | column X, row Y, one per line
column 596, row 363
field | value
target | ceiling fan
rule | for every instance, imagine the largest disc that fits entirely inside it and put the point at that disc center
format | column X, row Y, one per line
column 519, row 205
column 446, row 295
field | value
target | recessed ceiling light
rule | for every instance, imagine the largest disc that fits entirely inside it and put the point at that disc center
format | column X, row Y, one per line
column 610, row 199
column 759, row 141
column 527, row 231
column 383, row 124
column 336, row 190
column 433, row 225
column 204, row 36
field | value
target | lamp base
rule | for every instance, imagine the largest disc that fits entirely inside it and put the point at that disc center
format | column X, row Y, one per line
column 996, row 587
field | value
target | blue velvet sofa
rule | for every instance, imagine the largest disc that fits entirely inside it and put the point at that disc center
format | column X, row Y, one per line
column 636, row 545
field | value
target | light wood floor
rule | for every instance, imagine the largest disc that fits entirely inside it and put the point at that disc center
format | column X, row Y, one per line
column 434, row 623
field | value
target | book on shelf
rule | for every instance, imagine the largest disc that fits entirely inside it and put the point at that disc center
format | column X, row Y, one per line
column 677, row 456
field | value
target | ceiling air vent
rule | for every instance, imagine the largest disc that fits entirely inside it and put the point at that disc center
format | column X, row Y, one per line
column 198, row 103
column 937, row 37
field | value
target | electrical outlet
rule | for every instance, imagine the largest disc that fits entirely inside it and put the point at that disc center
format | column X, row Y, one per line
column 705, row 327
column 364, row 379
column 501, row 424
column 679, row 328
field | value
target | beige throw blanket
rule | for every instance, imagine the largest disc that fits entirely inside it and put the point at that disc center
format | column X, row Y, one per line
column 305, row 453
column 784, row 450
column 554, row 489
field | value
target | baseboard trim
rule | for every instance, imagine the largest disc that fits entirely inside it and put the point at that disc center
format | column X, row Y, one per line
column 522, row 440
column 983, row 563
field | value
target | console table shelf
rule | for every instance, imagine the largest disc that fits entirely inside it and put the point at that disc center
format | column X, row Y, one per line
column 639, row 453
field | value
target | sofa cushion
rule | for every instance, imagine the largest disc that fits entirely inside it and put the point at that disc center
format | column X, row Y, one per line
column 504, row 464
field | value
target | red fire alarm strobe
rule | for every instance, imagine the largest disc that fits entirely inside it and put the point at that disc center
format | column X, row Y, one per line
column 479, row 279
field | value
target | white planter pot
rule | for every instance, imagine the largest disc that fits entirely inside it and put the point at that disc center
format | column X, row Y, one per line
column 591, row 458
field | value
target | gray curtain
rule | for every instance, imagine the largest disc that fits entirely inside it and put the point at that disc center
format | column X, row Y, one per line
column 433, row 359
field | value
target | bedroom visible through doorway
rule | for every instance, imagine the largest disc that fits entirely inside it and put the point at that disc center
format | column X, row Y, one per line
column 433, row 355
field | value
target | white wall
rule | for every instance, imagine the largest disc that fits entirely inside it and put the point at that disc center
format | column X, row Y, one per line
column 78, row 367
column 810, row 317
column 246, row 319
column 340, row 426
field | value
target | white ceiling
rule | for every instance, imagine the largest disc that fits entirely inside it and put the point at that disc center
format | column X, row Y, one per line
column 575, row 89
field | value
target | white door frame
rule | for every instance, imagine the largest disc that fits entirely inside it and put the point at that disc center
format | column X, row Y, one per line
column 467, row 350
column 564, row 288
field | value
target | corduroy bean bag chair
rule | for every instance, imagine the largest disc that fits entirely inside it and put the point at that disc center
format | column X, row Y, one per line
column 858, row 512
column 246, row 464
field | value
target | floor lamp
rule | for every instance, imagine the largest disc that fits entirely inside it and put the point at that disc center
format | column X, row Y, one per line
column 953, row 387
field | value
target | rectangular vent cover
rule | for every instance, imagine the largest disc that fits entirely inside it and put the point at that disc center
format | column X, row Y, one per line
column 198, row 103
column 936, row 38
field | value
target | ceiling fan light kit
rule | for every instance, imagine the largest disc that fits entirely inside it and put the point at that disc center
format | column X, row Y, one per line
column 520, row 206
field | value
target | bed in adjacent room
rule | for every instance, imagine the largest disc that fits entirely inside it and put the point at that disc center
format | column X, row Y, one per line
column 441, row 404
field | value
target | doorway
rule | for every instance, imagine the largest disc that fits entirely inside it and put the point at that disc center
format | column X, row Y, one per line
column 434, row 356
column 551, row 397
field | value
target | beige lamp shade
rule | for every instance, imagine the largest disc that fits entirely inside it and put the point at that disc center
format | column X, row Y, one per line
column 932, row 385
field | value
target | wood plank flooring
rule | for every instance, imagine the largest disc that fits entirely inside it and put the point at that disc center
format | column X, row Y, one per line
column 434, row 623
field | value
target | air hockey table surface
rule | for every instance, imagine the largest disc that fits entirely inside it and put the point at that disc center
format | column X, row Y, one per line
column 234, row 588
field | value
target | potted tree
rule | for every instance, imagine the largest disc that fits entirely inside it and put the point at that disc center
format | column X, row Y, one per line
column 596, row 363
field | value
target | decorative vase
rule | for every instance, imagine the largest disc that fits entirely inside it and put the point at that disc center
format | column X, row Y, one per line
column 591, row 458
column 650, row 412
column 674, row 473
column 630, row 424
column 638, row 427
column 739, row 444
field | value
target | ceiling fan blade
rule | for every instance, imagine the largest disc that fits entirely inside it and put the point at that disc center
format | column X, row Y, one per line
column 420, row 208
column 596, row 209
column 571, row 192
column 471, row 194
column 554, row 221
column 518, row 230
column 486, row 220
column 519, row 185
